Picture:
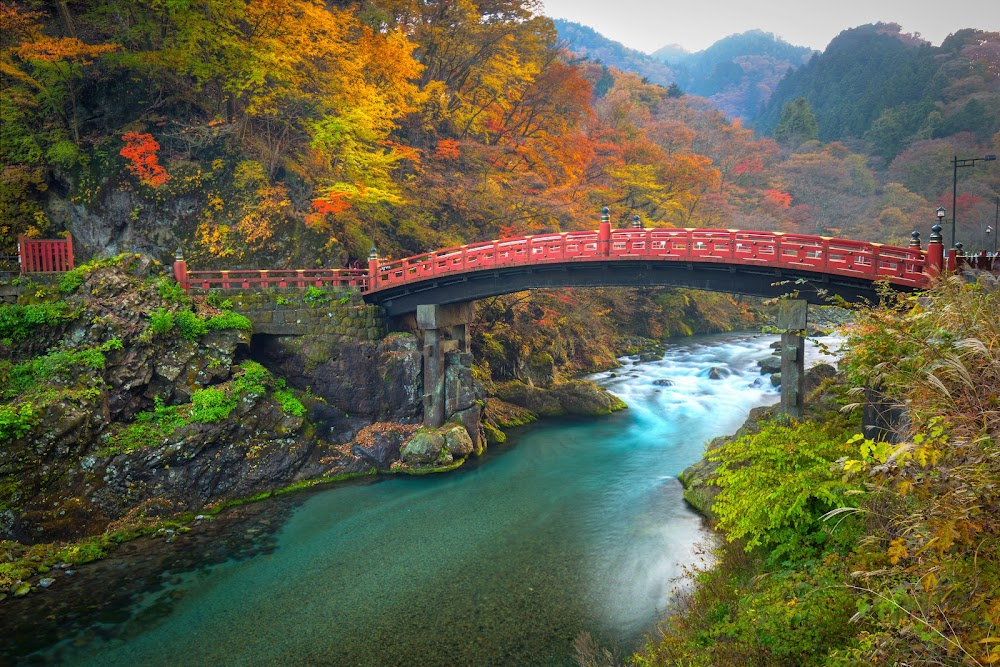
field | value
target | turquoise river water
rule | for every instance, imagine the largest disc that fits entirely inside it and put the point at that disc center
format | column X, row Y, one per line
column 576, row 526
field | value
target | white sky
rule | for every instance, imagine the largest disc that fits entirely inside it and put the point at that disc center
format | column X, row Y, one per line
column 647, row 25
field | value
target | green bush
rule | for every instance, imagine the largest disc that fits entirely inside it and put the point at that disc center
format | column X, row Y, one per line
column 316, row 296
column 149, row 428
column 289, row 404
column 191, row 326
column 171, row 290
column 161, row 322
column 229, row 320
column 777, row 483
column 27, row 375
column 211, row 405
column 18, row 322
column 16, row 421
column 253, row 381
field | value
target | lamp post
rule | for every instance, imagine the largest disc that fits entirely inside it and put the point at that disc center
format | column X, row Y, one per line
column 996, row 227
column 956, row 163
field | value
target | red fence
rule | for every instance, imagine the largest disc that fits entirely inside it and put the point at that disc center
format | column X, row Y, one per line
column 901, row 266
column 45, row 255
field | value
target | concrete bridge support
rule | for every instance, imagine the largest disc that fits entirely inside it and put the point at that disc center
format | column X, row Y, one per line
column 446, row 353
column 792, row 315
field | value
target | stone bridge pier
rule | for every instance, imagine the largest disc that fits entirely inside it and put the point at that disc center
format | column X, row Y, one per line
column 447, row 360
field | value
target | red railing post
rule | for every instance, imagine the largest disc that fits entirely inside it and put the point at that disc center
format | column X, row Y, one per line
column 372, row 270
column 604, row 233
column 935, row 252
column 180, row 270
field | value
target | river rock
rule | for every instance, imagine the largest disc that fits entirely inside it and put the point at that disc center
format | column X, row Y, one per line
column 776, row 379
column 425, row 447
column 471, row 419
column 380, row 444
column 663, row 383
column 771, row 364
column 457, row 441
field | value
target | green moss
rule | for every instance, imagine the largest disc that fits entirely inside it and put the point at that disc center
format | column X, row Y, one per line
column 63, row 364
column 427, row 471
column 149, row 428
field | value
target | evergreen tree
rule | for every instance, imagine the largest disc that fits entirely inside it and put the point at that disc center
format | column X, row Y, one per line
column 797, row 124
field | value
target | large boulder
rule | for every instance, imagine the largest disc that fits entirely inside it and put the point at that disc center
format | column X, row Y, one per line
column 380, row 444
column 576, row 397
column 426, row 447
column 457, row 441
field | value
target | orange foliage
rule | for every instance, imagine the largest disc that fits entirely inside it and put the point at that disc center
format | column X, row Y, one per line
column 447, row 149
column 778, row 198
column 141, row 149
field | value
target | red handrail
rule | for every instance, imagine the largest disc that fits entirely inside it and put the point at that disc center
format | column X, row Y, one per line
column 897, row 265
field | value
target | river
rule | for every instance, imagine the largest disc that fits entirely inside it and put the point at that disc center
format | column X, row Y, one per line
column 574, row 526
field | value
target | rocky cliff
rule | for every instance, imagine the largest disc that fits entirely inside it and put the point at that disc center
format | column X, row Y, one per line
column 124, row 400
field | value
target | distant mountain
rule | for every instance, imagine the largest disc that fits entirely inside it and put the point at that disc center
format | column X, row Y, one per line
column 588, row 42
column 887, row 88
column 671, row 53
column 738, row 73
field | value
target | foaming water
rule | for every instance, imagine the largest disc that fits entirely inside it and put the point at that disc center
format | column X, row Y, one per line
column 577, row 527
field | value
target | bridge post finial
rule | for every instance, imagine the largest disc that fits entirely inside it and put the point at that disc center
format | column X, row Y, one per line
column 604, row 233
column 636, row 222
column 935, row 252
column 915, row 239
column 180, row 270
column 372, row 268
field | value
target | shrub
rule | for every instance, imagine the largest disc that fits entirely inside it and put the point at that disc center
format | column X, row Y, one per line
column 289, row 404
column 19, row 322
column 777, row 483
column 229, row 320
column 253, row 381
column 211, row 405
column 171, row 290
column 149, row 428
column 191, row 326
column 16, row 421
column 161, row 322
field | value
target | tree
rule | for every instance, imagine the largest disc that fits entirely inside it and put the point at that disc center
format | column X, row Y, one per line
column 797, row 124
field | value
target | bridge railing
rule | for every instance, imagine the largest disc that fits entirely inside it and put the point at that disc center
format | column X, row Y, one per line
column 981, row 262
column 262, row 279
column 903, row 266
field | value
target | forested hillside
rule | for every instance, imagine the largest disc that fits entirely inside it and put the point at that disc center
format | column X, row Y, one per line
column 885, row 90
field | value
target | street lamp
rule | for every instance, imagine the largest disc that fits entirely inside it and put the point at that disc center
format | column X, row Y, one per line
column 956, row 163
column 994, row 228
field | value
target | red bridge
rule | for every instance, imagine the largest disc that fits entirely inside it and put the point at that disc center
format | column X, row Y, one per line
column 755, row 263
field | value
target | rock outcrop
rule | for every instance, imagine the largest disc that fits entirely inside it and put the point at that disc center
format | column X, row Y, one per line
column 127, row 400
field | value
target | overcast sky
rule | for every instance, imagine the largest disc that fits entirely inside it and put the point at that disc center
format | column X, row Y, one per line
column 647, row 25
